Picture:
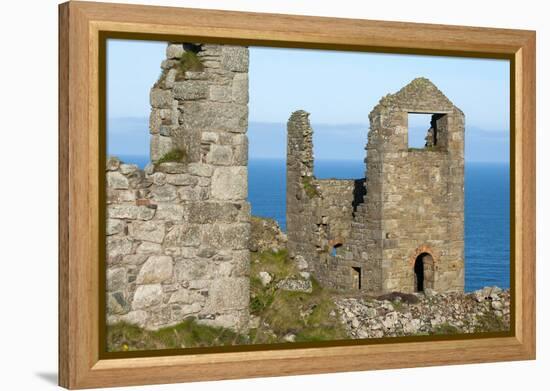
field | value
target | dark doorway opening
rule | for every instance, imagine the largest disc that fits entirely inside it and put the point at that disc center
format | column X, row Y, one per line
column 423, row 272
column 356, row 277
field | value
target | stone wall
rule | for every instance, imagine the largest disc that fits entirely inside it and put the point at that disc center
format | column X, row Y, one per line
column 178, row 231
column 409, row 211
column 319, row 211
column 415, row 197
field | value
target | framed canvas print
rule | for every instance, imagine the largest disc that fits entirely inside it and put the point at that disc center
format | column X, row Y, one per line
column 248, row 195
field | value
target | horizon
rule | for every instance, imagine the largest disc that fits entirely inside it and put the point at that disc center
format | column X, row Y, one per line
column 339, row 142
column 338, row 88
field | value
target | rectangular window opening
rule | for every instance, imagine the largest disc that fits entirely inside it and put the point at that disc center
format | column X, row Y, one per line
column 422, row 130
column 356, row 277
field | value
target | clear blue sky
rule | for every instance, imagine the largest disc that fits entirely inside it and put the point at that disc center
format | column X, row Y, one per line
column 337, row 88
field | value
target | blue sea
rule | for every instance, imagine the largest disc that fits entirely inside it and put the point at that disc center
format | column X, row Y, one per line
column 487, row 220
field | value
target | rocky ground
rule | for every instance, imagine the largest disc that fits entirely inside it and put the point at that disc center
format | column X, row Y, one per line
column 400, row 314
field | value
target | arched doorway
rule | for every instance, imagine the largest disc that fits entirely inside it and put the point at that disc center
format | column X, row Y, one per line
column 423, row 272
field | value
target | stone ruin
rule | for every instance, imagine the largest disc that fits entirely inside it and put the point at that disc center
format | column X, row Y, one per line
column 178, row 232
column 402, row 227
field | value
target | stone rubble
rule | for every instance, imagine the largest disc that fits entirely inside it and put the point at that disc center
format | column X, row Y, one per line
column 432, row 313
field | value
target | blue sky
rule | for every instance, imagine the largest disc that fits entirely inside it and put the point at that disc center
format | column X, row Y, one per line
column 339, row 89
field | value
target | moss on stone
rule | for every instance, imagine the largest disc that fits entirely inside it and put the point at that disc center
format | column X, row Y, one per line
column 190, row 62
column 309, row 187
column 175, row 155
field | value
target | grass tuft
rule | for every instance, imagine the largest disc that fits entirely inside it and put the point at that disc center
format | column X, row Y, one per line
column 190, row 62
column 309, row 316
column 175, row 155
column 126, row 337
column 309, row 187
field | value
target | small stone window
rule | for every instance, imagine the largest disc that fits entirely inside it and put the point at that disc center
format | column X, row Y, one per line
column 356, row 278
column 334, row 251
column 422, row 130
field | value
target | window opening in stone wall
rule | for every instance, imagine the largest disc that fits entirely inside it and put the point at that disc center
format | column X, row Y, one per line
column 334, row 251
column 356, row 277
column 422, row 130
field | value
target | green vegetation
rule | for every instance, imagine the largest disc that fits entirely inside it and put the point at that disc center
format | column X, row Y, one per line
column 189, row 61
column 489, row 322
column 125, row 337
column 309, row 187
column 309, row 316
column 175, row 155
column 445, row 329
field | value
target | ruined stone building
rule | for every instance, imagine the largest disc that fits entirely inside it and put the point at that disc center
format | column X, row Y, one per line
column 177, row 233
column 401, row 228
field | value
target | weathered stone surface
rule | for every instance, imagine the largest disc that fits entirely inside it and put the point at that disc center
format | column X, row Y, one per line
column 116, row 303
column 150, row 231
column 235, row 58
column 182, row 179
column 220, row 155
column 116, row 279
column 134, row 259
column 186, row 296
column 132, row 212
column 232, row 236
column 115, row 180
column 265, row 278
column 115, row 226
column 170, row 211
column 265, row 235
column 117, row 247
column 160, row 146
column 161, row 98
column 113, row 163
column 149, row 248
column 172, row 168
column 293, row 285
column 228, row 294
column 199, row 169
column 138, row 318
column 240, row 88
column 190, row 90
column 174, row 51
column 220, row 93
column 128, row 169
column 147, row 296
column 187, row 270
column 215, row 116
column 164, row 193
column 230, row 183
column 183, row 235
column 157, row 268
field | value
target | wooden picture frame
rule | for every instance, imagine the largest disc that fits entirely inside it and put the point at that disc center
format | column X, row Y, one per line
column 81, row 364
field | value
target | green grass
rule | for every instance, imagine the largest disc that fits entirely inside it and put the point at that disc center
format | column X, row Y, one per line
column 189, row 62
column 309, row 187
column 189, row 333
column 309, row 316
column 175, row 155
column 489, row 322
column 445, row 329
column 306, row 315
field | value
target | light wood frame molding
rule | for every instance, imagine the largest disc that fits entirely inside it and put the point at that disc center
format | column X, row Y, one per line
column 80, row 24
